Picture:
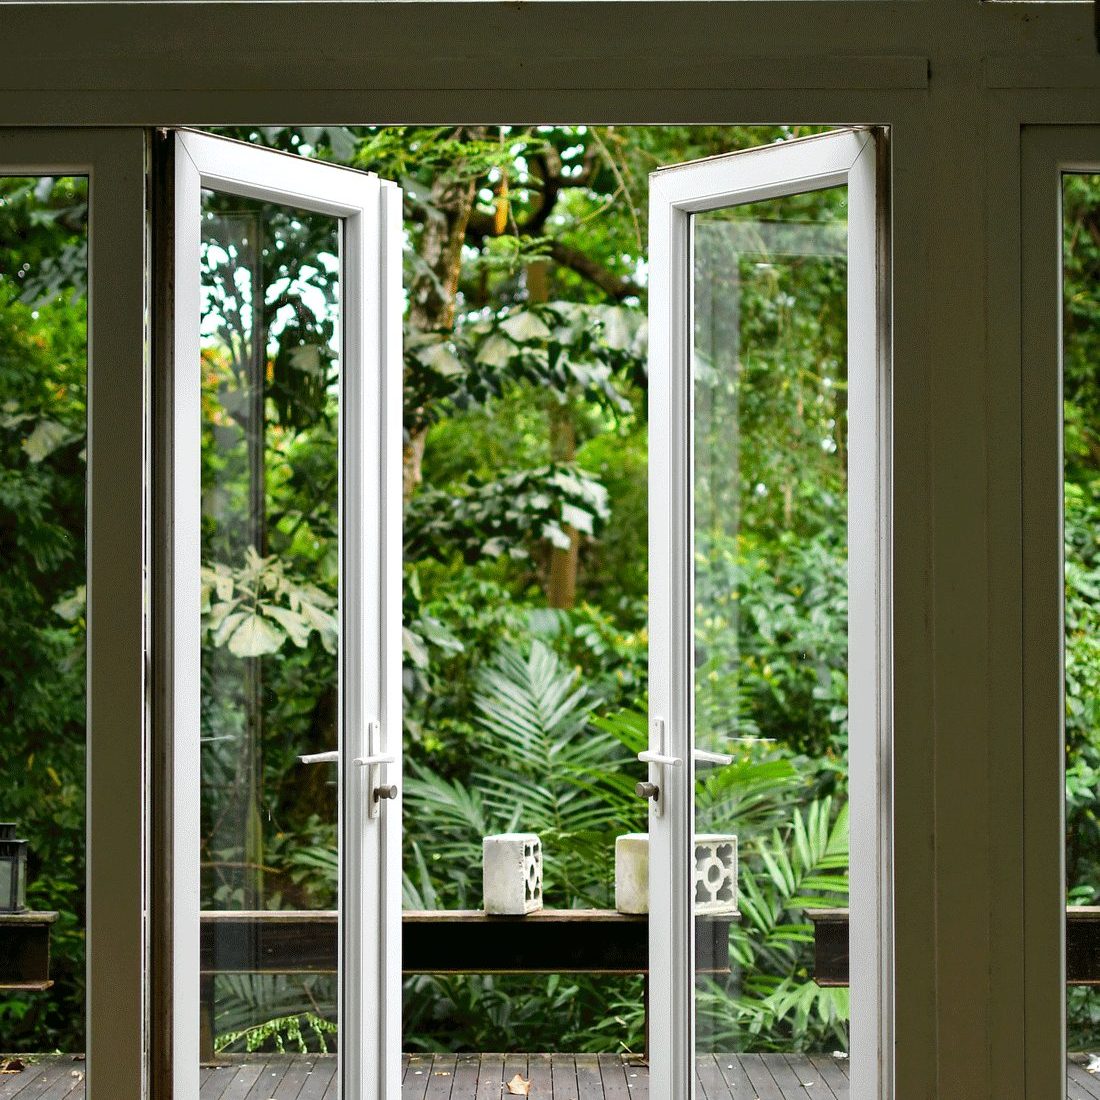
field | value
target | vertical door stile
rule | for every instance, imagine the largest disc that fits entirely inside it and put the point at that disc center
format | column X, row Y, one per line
column 392, row 390
column 671, row 929
column 870, row 776
column 360, row 571
column 184, row 563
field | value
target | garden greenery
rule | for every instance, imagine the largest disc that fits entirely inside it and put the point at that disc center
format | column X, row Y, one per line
column 525, row 582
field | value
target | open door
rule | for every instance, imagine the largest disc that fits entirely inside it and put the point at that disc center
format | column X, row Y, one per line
column 279, row 299
column 733, row 241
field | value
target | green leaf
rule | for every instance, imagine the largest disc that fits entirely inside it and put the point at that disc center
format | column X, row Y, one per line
column 255, row 637
column 72, row 606
column 295, row 625
column 47, row 436
column 524, row 327
column 496, row 351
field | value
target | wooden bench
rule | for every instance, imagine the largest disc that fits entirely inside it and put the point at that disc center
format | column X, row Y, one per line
column 446, row 941
column 1082, row 945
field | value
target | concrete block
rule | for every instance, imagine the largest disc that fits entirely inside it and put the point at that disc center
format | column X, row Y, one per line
column 715, row 873
column 512, row 873
column 632, row 873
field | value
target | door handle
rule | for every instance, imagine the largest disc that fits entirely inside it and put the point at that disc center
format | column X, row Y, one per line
column 649, row 757
column 320, row 757
column 703, row 756
column 374, row 760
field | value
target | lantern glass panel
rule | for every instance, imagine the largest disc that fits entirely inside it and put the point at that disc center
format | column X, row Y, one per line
column 7, row 881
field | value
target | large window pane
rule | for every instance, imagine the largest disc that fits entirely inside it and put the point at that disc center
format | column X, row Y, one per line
column 43, row 375
column 270, row 371
column 770, row 617
column 1081, row 374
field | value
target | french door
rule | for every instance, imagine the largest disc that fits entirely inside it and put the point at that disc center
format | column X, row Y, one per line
column 737, row 244
column 279, row 322
column 279, row 318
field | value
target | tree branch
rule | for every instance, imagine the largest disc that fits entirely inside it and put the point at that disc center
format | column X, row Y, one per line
column 614, row 286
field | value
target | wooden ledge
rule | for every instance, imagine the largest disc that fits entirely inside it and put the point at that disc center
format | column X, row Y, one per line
column 1082, row 945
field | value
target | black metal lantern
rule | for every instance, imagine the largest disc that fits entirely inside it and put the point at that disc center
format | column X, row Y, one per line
column 13, row 871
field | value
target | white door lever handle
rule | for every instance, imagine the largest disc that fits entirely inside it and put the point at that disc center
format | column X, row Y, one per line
column 703, row 756
column 320, row 758
column 649, row 757
column 374, row 759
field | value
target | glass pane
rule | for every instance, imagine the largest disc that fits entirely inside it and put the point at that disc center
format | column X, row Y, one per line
column 1081, row 375
column 270, row 335
column 769, row 296
column 43, row 394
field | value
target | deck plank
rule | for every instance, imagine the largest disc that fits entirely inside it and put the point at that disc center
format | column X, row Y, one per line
column 712, row 1082
column 242, row 1081
column 514, row 1064
column 763, row 1083
column 791, row 1084
column 541, row 1075
column 589, row 1084
column 832, row 1069
column 51, row 1070
column 737, row 1080
column 416, row 1080
column 613, row 1077
column 1087, row 1082
column 217, row 1081
column 321, row 1081
column 564, row 1070
column 271, row 1076
column 442, row 1077
column 297, row 1074
column 464, row 1086
column 12, row 1084
column 636, row 1069
column 806, row 1071
column 63, row 1081
column 490, row 1078
column 1075, row 1090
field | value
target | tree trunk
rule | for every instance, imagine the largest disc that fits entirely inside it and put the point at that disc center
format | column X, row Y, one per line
column 432, row 292
column 561, row 582
column 561, row 587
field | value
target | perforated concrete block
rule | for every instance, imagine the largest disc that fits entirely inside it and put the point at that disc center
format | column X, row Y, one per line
column 715, row 873
column 512, row 873
column 632, row 873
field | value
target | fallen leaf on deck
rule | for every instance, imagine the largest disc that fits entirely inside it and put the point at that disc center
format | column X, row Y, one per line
column 519, row 1087
column 12, row 1065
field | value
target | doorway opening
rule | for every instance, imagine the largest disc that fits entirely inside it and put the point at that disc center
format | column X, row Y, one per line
column 526, row 893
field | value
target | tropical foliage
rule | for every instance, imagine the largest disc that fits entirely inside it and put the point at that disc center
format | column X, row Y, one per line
column 525, row 578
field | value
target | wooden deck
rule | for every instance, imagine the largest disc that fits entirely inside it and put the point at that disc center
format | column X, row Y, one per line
column 484, row 1077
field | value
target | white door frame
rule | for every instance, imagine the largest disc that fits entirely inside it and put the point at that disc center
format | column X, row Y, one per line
column 370, row 592
column 844, row 157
